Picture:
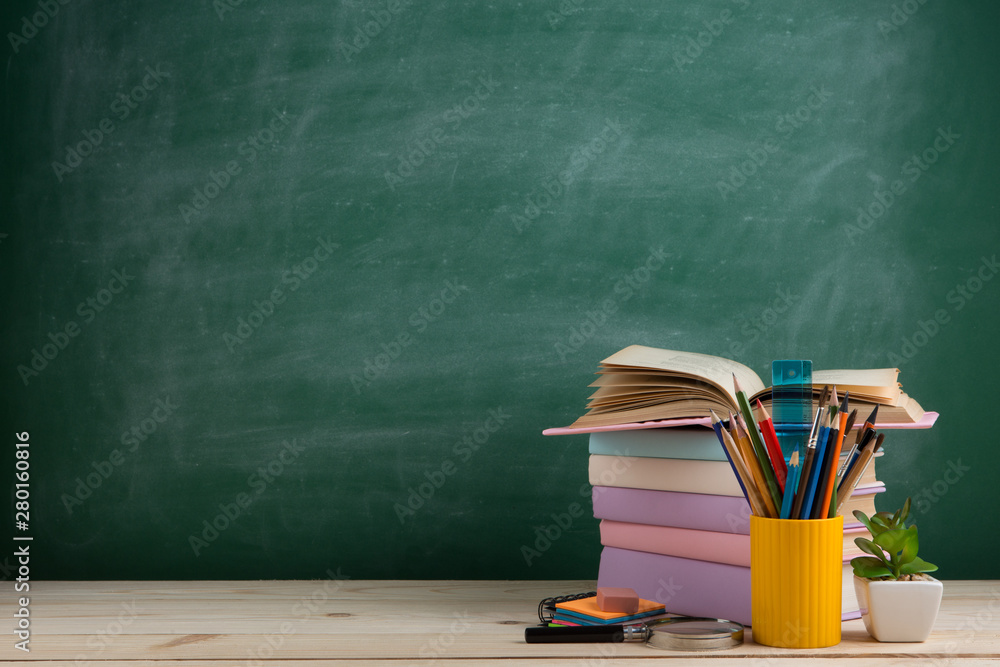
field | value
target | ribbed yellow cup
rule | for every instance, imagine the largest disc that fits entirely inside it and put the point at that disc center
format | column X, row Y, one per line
column 796, row 574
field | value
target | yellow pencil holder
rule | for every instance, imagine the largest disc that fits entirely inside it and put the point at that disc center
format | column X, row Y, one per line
column 796, row 574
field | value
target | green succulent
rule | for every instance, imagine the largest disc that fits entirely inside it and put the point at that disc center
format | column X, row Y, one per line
column 893, row 546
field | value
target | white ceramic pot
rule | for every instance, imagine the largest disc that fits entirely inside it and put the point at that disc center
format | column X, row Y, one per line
column 898, row 611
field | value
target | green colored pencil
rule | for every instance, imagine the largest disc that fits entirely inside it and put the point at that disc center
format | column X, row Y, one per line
column 758, row 443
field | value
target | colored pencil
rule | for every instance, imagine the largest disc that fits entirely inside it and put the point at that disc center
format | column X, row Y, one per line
column 832, row 459
column 865, row 452
column 853, row 464
column 792, row 482
column 836, row 480
column 854, row 449
column 755, row 468
column 859, row 440
column 739, row 467
column 812, row 481
column 758, row 444
column 806, row 466
column 869, row 425
column 863, row 460
column 746, row 451
column 766, row 425
column 717, row 426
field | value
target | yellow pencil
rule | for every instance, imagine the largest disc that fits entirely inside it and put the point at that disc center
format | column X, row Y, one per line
column 753, row 463
column 742, row 473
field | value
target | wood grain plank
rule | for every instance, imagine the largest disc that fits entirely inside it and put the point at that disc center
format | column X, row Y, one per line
column 369, row 620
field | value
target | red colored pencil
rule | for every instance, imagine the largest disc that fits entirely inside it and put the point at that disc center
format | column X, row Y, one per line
column 773, row 446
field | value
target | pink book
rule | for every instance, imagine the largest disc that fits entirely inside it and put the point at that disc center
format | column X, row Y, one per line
column 729, row 548
column 724, row 514
column 694, row 587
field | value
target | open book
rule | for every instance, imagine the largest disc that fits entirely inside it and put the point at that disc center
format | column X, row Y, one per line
column 640, row 384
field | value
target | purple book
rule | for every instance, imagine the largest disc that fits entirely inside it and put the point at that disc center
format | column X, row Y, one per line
column 693, row 587
column 722, row 514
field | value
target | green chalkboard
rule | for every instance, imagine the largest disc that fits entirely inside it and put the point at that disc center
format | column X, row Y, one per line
column 294, row 288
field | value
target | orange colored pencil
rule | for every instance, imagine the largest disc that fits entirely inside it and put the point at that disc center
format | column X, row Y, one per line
column 743, row 440
column 831, row 480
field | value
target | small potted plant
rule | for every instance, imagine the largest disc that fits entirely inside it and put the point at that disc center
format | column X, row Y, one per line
column 898, row 600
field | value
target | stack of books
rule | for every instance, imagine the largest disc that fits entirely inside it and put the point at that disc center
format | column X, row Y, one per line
column 674, row 521
column 676, row 527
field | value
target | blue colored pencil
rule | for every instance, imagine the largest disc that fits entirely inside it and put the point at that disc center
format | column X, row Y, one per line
column 813, row 482
column 791, row 483
column 717, row 425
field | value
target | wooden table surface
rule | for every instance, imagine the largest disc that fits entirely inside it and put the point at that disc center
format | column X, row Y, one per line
column 331, row 622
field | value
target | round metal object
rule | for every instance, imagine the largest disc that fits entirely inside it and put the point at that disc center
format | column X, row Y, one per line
column 694, row 634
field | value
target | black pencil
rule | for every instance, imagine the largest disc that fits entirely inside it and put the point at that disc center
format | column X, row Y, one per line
column 832, row 451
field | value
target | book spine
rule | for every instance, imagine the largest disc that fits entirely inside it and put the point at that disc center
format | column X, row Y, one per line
column 707, row 477
column 723, row 514
column 686, row 586
column 715, row 547
column 678, row 443
column 729, row 548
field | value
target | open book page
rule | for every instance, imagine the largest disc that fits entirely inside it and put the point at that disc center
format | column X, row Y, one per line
column 873, row 382
column 641, row 399
column 627, row 385
column 715, row 370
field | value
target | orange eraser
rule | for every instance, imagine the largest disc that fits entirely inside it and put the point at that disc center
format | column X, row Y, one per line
column 622, row 600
